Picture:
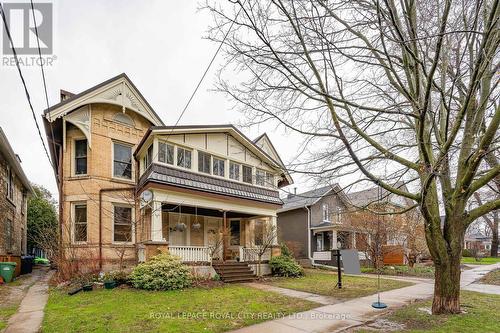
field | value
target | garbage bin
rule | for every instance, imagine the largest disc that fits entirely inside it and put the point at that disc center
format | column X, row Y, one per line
column 27, row 264
column 7, row 270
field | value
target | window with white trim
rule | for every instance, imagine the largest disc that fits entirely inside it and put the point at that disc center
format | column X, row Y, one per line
column 10, row 183
column 218, row 167
column 184, row 158
column 204, row 162
column 247, row 174
column 122, row 224
column 122, row 160
column 166, row 153
column 326, row 213
column 260, row 177
column 234, row 170
column 269, row 179
column 80, row 223
column 81, row 157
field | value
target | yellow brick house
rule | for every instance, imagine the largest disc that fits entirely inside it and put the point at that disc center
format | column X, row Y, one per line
column 131, row 187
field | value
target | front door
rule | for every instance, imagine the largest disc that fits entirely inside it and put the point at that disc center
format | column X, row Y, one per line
column 234, row 240
column 319, row 242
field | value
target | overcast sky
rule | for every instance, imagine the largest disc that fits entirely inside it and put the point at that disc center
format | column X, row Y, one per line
column 159, row 44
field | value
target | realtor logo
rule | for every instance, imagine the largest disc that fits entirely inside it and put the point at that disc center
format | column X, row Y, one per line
column 19, row 19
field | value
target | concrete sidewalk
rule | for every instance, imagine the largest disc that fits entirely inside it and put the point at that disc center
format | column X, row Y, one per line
column 336, row 317
column 29, row 316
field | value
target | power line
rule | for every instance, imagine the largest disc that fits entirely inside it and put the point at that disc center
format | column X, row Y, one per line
column 7, row 31
column 43, row 75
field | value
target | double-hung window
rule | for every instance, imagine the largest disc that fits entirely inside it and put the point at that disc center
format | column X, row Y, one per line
column 260, row 177
column 80, row 227
column 234, row 171
column 122, row 224
column 122, row 161
column 247, row 174
column 183, row 158
column 10, row 183
column 9, row 234
column 81, row 157
column 166, row 153
column 203, row 162
column 218, row 167
column 326, row 213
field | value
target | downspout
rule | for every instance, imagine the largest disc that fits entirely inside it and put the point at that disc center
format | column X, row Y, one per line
column 101, row 191
column 309, row 240
column 309, row 234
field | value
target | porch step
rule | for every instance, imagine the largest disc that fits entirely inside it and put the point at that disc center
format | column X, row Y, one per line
column 234, row 272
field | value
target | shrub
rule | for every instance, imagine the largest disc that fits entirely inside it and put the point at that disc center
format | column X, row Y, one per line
column 285, row 251
column 285, row 266
column 120, row 277
column 162, row 272
column 466, row 253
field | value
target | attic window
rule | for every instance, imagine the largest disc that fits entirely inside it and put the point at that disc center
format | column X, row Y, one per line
column 123, row 119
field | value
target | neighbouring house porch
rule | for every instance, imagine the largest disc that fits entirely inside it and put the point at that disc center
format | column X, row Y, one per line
column 325, row 239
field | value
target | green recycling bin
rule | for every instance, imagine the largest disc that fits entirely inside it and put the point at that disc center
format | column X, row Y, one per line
column 7, row 270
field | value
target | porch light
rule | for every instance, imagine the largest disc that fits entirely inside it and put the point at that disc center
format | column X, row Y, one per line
column 180, row 226
column 196, row 225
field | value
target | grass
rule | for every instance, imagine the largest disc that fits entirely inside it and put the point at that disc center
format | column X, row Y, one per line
column 481, row 316
column 192, row 310
column 323, row 283
column 492, row 277
column 5, row 313
column 416, row 271
column 482, row 261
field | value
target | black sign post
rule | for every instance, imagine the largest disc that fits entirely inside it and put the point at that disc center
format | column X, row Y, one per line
column 336, row 253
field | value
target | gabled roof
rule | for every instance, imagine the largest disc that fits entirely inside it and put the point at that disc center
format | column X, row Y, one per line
column 265, row 143
column 310, row 198
column 224, row 128
column 118, row 90
column 13, row 161
column 375, row 194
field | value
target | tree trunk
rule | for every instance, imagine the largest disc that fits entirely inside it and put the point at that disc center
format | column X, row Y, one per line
column 447, row 287
column 494, row 239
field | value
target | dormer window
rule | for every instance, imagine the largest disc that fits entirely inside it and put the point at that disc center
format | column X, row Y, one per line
column 183, row 158
column 326, row 213
column 165, row 153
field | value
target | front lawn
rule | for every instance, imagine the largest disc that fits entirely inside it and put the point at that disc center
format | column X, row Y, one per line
column 217, row 309
column 482, row 261
column 481, row 316
column 403, row 270
column 323, row 283
column 492, row 277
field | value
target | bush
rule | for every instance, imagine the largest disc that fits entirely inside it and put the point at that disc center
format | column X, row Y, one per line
column 285, row 266
column 466, row 253
column 119, row 277
column 285, row 251
column 162, row 272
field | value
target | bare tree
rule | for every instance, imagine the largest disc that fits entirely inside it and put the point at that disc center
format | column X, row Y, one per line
column 392, row 91
column 215, row 245
column 263, row 243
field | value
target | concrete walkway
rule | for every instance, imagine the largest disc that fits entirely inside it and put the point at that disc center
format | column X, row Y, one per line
column 341, row 316
column 325, row 300
column 29, row 316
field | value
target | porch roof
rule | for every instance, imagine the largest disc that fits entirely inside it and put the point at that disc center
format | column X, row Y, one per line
column 170, row 176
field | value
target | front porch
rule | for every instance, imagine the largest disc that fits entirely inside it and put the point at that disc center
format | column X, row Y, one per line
column 331, row 238
column 200, row 235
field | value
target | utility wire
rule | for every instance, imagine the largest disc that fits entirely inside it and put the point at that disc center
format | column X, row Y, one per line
column 43, row 76
column 7, row 31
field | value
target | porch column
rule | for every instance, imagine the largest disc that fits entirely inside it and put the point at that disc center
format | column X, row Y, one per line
column 156, row 225
column 354, row 239
column 273, row 220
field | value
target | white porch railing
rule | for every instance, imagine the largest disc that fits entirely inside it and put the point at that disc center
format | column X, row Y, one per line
column 322, row 255
column 251, row 254
column 191, row 253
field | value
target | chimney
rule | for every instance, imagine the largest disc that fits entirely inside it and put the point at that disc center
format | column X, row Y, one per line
column 65, row 95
